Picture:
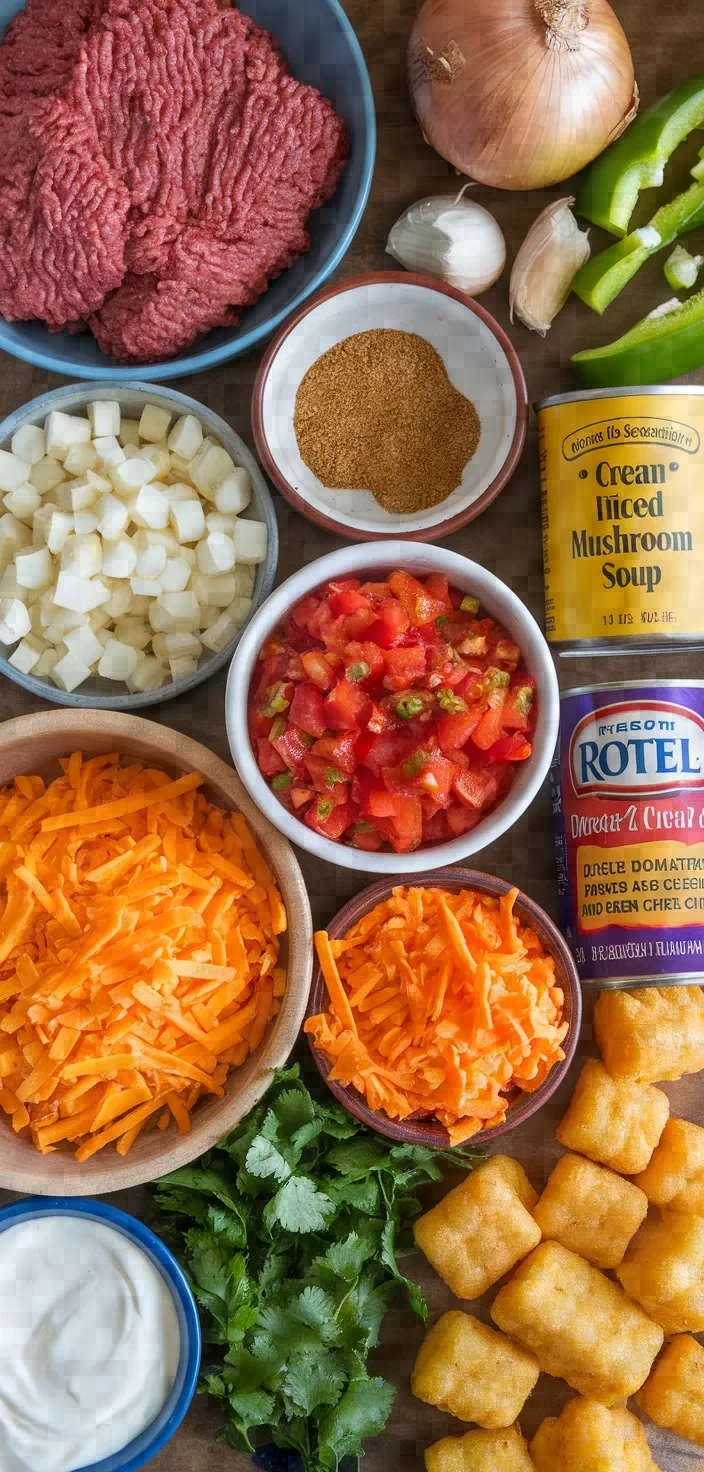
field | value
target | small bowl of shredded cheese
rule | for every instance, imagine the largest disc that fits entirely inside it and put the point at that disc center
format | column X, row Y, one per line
column 155, row 951
column 391, row 404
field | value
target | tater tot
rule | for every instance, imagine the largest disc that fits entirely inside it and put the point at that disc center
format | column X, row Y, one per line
column 586, row 1437
column 654, row 1033
column 480, row 1451
column 591, row 1210
column 580, row 1324
column 613, row 1121
column 466, row 1368
column 675, row 1175
column 663, row 1270
column 673, row 1394
column 482, row 1229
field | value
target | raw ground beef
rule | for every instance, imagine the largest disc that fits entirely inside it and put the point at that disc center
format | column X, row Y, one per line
column 158, row 164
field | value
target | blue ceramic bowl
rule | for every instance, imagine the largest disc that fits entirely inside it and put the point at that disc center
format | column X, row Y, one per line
column 151, row 1441
column 322, row 49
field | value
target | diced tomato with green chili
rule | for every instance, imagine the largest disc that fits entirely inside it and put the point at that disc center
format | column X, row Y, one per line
column 345, row 706
column 390, row 713
column 389, row 626
column 404, row 666
column 330, row 821
column 307, row 710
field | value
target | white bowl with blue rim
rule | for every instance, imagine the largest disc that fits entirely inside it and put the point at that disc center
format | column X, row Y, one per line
column 321, row 48
column 97, row 692
column 143, row 1447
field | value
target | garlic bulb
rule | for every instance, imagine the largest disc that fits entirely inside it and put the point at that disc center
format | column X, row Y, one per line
column 453, row 238
column 546, row 265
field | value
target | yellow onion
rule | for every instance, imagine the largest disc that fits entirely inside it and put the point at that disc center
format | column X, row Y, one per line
column 520, row 93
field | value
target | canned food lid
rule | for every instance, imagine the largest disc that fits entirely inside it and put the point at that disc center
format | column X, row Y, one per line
column 686, row 390
column 685, row 683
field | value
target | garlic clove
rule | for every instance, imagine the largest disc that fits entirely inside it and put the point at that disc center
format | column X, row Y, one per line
column 452, row 238
column 551, row 255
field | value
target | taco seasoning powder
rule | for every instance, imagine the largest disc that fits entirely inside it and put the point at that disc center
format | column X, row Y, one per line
column 378, row 413
column 628, row 799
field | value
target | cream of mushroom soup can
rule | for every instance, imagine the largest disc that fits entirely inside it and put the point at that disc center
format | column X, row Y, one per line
column 622, row 482
column 628, row 801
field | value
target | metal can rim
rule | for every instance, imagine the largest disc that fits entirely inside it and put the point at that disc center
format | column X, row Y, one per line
column 683, row 684
column 637, row 390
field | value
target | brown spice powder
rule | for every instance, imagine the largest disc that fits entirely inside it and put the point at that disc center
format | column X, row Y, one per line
column 378, row 413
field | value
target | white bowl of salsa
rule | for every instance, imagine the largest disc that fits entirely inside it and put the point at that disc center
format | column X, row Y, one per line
column 323, row 730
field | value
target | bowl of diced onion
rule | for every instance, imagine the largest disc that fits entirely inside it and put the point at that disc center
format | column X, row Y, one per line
column 137, row 538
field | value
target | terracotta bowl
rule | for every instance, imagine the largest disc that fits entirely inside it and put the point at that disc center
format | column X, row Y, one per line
column 32, row 744
column 479, row 359
column 521, row 1106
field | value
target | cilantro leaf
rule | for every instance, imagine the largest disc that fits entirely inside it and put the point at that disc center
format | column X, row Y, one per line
column 299, row 1207
column 263, row 1159
column 362, row 1411
column 310, row 1382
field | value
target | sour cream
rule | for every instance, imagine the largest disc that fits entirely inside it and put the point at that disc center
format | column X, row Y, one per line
column 89, row 1343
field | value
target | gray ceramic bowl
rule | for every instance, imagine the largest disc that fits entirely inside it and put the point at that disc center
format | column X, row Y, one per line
column 110, row 694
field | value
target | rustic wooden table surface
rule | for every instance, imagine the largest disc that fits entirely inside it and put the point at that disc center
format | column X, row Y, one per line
column 667, row 48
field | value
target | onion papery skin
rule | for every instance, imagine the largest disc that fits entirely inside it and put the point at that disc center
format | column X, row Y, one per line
column 516, row 102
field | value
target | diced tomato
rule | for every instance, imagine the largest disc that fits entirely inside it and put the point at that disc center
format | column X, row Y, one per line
column 300, row 796
column 320, row 621
column 491, row 723
column 436, row 585
column 268, row 759
column 348, row 600
column 381, row 804
column 339, row 749
column 307, row 710
column 291, row 746
column 355, row 625
column 326, row 778
column 420, row 606
column 363, row 784
column 431, row 636
column 340, row 585
column 387, row 750
column 378, row 592
column 461, row 820
column 518, row 707
column 298, row 640
column 318, row 668
column 390, row 626
column 366, row 836
column 505, row 652
column 378, row 720
column 404, row 666
column 367, row 653
column 328, row 820
column 436, row 779
column 435, row 829
column 511, row 748
column 345, row 706
column 476, row 789
column 455, row 730
column 302, row 612
column 407, row 820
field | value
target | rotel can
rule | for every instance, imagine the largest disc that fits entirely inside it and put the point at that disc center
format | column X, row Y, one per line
column 628, row 799
column 622, row 480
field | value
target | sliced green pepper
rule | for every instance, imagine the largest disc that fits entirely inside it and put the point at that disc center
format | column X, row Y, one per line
column 662, row 346
column 453, row 704
column 605, row 275
column 681, row 269
column 281, row 780
column 610, row 186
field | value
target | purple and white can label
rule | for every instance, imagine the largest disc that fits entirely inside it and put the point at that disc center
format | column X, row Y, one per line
column 628, row 800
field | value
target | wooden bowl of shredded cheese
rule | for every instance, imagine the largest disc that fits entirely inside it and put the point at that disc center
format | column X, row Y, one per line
column 149, row 979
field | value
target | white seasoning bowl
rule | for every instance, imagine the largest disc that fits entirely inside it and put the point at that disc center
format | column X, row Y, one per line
column 480, row 361
column 373, row 560
column 98, row 692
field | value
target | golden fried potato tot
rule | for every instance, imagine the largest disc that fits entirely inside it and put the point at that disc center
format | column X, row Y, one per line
column 586, row 1437
column 466, row 1368
column 675, row 1175
column 482, row 1229
column 590, row 1210
column 480, row 1451
column 673, row 1394
column 613, row 1121
column 581, row 1326
column 663, row 1270
column 654, row 1033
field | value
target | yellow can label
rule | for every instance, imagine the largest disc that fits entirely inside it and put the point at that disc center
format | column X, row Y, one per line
column 622, row 482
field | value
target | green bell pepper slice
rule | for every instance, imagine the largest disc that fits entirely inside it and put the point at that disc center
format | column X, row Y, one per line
column 661, row 346
column 605, row 275
column 609, row 188
column 681, row 269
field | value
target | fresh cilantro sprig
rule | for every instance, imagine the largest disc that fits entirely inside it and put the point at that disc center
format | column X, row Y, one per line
column 291, row 1231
